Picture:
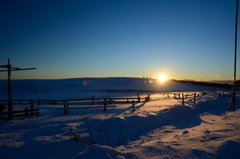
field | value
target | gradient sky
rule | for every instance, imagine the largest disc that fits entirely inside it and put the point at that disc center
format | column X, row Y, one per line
column 185, row 39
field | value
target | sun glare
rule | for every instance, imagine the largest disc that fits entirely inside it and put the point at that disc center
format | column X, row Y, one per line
column 162, row 78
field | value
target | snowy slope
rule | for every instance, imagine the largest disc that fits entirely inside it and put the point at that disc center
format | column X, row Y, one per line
column 161, row 128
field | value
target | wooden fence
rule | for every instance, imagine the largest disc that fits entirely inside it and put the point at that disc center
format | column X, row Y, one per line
column 102, row 103
column 93, row 102
column 18, row 113
column 184, row 96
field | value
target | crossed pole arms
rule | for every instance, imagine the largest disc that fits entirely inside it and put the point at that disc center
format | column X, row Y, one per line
column 8, row 68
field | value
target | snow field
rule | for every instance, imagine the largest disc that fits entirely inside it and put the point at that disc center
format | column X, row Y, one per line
column 161, row 128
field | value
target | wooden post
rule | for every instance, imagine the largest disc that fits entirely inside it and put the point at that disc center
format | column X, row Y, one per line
column 127, row 100
column 38, row 101
column 67, row 106
column 138, row 99
column 31, row 107
column 109, row 100
column 64, row 106
column 10, row 107
column 10, row 111
column 26, row 112
column 92, row 100
column 194, row 100
column 105, row 105
column 19, row 102
column 148, row 97
column 133, row 104
column 1, row 109
column 183, row 99
column 9, row 67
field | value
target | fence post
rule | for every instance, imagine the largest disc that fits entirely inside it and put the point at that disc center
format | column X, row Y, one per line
column 38, row 101
column 92, row 100
column 67, row 105
column 133, row 104
column 183, row 99
column 105, row 105
column 10, row 110
column 26, row 112
column 194, row 100
column 19, row 102
column 109, row 100
column 138, row 99
column 31, row 106
column 64, row 106
column 127, row 100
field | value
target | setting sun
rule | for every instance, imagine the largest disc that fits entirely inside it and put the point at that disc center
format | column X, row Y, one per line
column 162, row 78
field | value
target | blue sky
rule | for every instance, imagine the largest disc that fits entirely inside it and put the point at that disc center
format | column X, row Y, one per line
column 184, row 39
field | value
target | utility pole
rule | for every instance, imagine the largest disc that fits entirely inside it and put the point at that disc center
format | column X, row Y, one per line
column 233, row 99
column 9, row 85
column 8, row 68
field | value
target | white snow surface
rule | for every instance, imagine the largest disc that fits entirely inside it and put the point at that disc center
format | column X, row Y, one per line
column 160, row 128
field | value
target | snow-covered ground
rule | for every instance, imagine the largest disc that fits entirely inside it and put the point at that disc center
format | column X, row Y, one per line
column 161, row 128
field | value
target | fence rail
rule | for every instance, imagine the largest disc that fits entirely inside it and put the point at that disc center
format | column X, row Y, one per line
column 68, row 104
column 76, row 103
column 19, row 113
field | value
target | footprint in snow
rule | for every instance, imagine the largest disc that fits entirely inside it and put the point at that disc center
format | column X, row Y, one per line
column 167, row 131
column 214, row 138
column 185, row 132
column 207, row 132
